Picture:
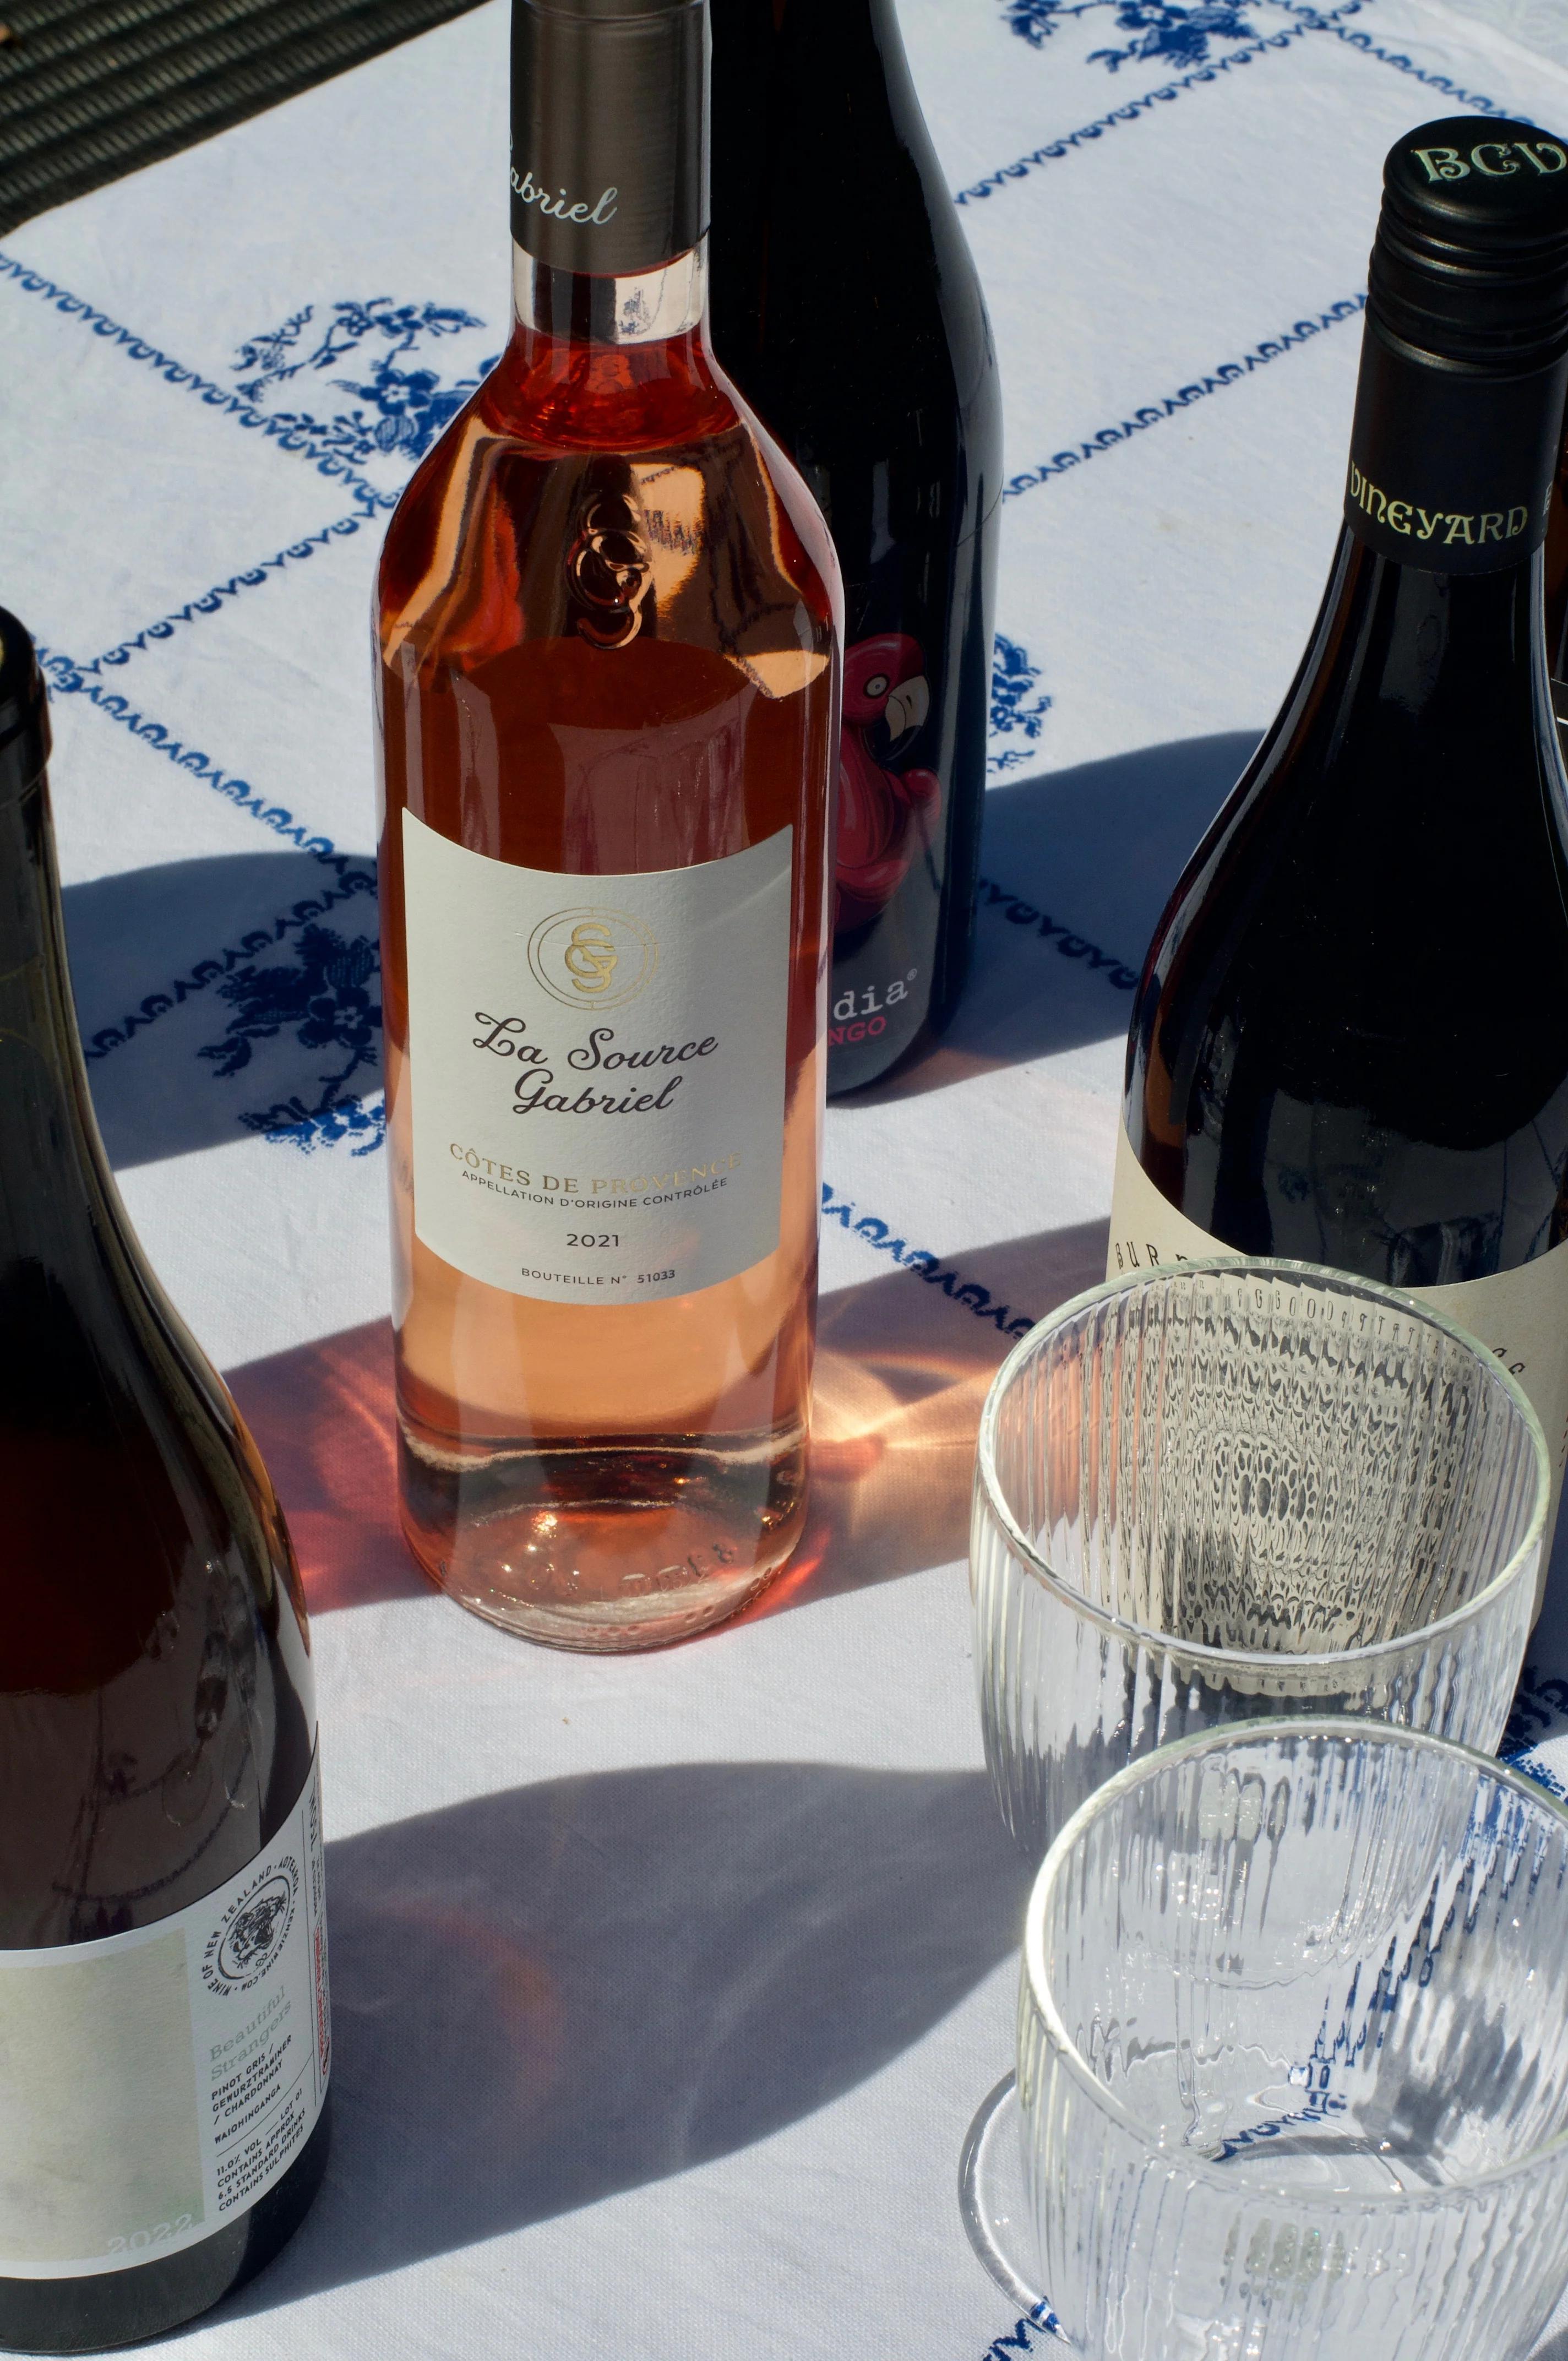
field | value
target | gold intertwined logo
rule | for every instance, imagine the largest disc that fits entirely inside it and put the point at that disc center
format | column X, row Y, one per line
column 591, row 956
column 605, row 956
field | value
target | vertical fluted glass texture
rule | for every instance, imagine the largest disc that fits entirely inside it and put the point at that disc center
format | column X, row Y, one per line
column 1235, row 1488
column 1293, row 2053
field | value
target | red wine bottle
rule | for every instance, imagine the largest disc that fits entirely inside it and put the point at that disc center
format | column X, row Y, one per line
column 847, row 305
column 608, row 638
column 1350, row 1043
column 163, row 2020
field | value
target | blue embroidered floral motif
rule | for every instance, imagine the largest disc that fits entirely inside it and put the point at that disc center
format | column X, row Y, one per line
column 1013, row 712
column 413, row 407
column 269, row 353
column 361, row 1119
column 1036, row 20
column 1170, row 32
column 320, row 997
column 409, row 407
column 1178, row 34
column 403, row 324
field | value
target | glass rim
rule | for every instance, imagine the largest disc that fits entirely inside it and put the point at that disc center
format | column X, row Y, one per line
column 1362, row 1729
column 1272, row 1660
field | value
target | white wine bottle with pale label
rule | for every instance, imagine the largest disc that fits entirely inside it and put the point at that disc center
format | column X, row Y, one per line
column 1350, row 1044
column 609, row 628
column 164, row 2034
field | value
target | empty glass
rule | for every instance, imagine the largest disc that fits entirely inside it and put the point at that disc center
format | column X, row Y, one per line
column 1242, row 1488
column 1293, row 2052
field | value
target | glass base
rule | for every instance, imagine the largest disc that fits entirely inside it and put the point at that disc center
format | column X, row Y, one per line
column 603, row 1549
column 993, row 2198
column 592, row 1629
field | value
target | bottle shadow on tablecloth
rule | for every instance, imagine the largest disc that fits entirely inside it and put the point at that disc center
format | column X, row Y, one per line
column 246, row 989
column 902, row 1371
column 547, row 1996
column 1077, row 865
column 324, row 1418
column 226, row 997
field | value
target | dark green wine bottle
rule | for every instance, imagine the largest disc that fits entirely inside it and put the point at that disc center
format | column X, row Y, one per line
column 1350, row 1043
column 164, row 2043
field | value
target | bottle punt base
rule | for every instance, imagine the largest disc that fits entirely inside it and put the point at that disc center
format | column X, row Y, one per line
column 599, row 1545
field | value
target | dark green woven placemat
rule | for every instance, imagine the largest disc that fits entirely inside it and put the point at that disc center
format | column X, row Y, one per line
column 90, row 89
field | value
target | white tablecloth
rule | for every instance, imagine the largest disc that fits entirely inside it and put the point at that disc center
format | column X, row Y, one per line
column 666, row 1987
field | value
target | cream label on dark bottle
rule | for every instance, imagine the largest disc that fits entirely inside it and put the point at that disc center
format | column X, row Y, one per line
column 155, row 2084
column 1521, row 1315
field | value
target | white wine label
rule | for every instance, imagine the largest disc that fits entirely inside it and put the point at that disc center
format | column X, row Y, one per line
column 596, row 1067
column 1521, row 1315
column 155, row 2084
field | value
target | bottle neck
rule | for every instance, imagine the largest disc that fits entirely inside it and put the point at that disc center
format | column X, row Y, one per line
column 49, row 1132
column 1451, row 467
column 601, row 364
column 1436, row 607
column 644, row 308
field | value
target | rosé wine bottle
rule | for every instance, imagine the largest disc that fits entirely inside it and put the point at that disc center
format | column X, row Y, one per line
column 609, row 628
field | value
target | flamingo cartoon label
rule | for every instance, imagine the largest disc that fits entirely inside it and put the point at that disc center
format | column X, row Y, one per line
column 887, row 816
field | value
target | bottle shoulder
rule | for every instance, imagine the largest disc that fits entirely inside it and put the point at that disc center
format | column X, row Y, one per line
column 882, row 338
column 872, row 322
column 1371, row 941
column 1381, row 902
column 535, row 520
column 1412, row 788
column 1351, row 1040
column 157, row 1708
column 156, row 1693
column 154, row 1685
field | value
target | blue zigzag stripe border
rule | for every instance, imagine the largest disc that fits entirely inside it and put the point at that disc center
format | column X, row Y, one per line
column 354, row 876
column 1366, row 47
column 284, row 432
column 1228, row 373
column 1537, row 1716
column 879, row 1236
column 1053, row 150
column 68, row 679
column 1526, row 1764
column 1307, row 20
column 1020, row 913
column 211, row 601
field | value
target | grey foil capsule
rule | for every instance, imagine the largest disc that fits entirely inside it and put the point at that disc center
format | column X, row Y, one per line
column 610, row 140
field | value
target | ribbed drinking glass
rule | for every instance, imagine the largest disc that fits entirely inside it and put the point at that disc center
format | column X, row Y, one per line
column 1239, row 1487
column 1293, row 2052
